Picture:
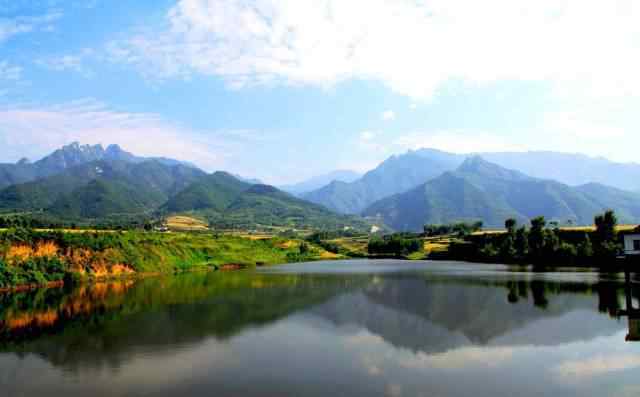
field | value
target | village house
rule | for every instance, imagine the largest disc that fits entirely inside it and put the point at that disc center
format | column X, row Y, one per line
column 632, row 242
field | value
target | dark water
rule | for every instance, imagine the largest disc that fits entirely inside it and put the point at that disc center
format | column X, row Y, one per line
column 358, row 328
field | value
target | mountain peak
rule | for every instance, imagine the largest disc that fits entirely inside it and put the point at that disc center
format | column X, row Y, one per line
column 476, row 165
column 115, row 152
column 77, row 147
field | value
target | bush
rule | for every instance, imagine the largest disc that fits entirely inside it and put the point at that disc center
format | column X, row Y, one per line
column 394, row 245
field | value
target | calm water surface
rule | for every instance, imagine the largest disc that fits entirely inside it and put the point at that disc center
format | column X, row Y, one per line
column 353, row 328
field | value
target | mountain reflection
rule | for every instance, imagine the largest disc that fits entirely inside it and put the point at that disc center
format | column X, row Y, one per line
column 105, row 324
column 434, row 316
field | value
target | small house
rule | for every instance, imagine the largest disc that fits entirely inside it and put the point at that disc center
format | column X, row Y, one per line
column 632, row 242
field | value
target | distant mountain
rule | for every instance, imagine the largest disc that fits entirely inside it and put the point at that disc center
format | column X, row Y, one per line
column 319, row 181
column 406, row 171
column 70, row 156
column 480, row 190
column 397, row 174
column 571, row 169
column 100, row 189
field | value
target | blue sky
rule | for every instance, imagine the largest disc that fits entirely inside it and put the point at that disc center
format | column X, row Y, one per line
column 283, row 90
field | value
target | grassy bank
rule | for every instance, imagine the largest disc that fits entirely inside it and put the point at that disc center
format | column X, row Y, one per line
column 35, row 258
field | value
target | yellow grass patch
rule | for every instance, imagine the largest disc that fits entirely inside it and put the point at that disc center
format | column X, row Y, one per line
column 436, row 246
column 181, row 222
column 288, row 244
column 329, row 255
column 21, row 253
column 256, row 236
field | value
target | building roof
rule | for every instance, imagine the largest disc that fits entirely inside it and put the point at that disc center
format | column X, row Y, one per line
column 631, row 231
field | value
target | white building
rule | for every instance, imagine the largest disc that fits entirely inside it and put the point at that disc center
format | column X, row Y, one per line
column 632, row 243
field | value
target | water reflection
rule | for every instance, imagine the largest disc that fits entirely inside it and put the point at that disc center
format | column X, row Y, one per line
column 631, row 311
column 381, row 328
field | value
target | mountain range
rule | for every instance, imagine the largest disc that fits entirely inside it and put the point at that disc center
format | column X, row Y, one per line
column 403, row 172
column 90, row 183
column 82, row 182
column 395, row 175
column 67, row 157
column 481, row 190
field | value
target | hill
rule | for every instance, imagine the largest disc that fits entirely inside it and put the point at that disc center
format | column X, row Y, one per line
column 480, row 190
column 215, row 191
column 269, row 206
column 100, row 189
column 227, row 202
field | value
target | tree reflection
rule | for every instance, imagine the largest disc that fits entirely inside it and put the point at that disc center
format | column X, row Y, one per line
column 631, row 311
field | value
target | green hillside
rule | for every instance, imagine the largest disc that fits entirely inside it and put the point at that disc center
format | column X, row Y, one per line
column 103, row 198
column 99, row 189
column 216, row 191
column 268, row 206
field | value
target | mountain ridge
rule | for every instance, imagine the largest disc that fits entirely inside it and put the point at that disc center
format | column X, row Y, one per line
column 69, row 156
column 480, row 190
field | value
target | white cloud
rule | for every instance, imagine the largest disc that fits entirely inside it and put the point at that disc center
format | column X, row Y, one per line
column 9, row 72
column 33, row 132
column 372, row 142
column 585, row 369
column 10, row 27
column 367, row 136
column 411, row 46
column 388, row 115
column 74, row 62
column 460, row 358
column 457, row 141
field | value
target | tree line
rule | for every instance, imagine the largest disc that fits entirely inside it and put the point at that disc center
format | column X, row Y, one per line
column 460, row 229
column 540, row 244
column 399, row 245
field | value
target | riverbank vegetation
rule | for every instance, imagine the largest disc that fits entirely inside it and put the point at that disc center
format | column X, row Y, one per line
column 540, row 244
column 32, row 258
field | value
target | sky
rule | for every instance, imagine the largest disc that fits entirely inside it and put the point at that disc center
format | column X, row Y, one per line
column 283, row 90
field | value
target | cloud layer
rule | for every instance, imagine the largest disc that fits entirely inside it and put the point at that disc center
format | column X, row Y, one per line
column 35, row 131
column 411, row 46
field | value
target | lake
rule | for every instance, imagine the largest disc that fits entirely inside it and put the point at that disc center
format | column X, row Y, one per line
column 343, row 328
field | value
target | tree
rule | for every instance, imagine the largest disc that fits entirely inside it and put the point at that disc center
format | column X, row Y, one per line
column 536, row 237
column 606, row 226
column 522, row 242
column 551, row 244
column 508, row 251
column 304, row 248
column 585, row 248
column 607, row 246
column 510, row 225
